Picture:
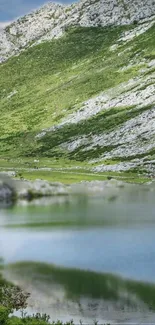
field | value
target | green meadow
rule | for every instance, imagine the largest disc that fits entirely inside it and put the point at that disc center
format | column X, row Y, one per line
column 51, row 80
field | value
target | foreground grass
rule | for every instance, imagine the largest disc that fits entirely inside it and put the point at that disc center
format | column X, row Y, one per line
column 37, row 319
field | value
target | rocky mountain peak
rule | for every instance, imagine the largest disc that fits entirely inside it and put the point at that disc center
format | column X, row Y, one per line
column 51, row 20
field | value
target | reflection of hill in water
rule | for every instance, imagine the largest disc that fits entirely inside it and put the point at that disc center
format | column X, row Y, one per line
column 77, row 284
column 90, row 204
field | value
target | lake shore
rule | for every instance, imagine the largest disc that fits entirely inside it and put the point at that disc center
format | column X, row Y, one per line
column 28, row 190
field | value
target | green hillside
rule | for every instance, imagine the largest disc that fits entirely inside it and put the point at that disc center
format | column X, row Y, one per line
column 44, row 84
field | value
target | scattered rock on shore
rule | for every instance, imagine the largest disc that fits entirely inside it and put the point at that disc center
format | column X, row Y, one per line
column 39, row 188
column 7, row 191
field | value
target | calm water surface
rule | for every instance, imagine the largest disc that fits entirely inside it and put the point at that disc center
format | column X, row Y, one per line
column 115, row 235
column 126, row 251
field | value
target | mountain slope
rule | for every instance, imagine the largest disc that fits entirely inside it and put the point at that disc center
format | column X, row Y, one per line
column 88, row 96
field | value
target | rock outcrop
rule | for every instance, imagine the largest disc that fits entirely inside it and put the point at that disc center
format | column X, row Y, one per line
column 7, row 191
column 52, row 20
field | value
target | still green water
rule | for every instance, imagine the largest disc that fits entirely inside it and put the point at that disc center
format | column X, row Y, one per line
column 85, row 256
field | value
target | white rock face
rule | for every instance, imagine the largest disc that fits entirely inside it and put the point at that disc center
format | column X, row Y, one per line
column 126, row 138
column 126, row 94
column 133, row 137
column 51, row 21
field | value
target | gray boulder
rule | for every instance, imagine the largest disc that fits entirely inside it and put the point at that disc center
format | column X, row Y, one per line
column 7, row 191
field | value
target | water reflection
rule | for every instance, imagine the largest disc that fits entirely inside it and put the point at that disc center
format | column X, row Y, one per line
column 126, row 251
column 102, row 246
column 66, row 292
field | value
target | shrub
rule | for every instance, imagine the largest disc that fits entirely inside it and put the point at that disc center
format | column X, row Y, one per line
column 4, row 314
column 38, row 318
column 13, row 297
column 14, row 321
column 25, row 321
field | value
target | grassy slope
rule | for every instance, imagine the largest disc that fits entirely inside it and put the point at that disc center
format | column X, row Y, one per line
column 62, row 170
column 54, row 78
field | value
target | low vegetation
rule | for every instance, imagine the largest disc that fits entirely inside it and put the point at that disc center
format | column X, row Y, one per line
column 47, row 82
column 37, row 319
column 64, row 170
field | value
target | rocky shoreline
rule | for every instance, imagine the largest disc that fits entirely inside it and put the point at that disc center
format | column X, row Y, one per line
column 12, row 191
